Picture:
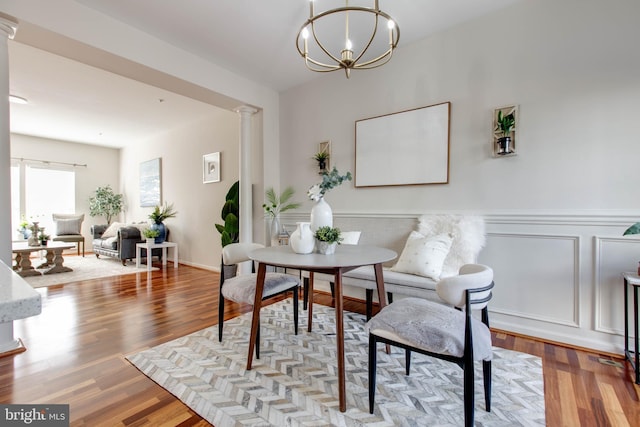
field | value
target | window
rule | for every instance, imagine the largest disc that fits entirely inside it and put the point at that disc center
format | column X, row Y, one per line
column 43, row 191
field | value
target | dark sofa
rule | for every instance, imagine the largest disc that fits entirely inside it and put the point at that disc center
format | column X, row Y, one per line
column 122, row 245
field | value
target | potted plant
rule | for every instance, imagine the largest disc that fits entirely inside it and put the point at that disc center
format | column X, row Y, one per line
column 321, row 157
column 327, row 238
column 505, row 124
column 158, row 215
column 44, row 238
column 24, row 228
column 105, row 203
column 230, row 230
column 274, row 206
column 150, row 234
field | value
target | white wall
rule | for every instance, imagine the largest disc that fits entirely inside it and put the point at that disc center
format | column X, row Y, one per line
column 103, row 168
column 198, row 205
column 555, row 211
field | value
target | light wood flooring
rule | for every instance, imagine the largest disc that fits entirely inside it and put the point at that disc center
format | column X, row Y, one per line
column 76, row 347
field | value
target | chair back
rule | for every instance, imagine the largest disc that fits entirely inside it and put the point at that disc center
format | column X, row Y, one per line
column 476, row 278
column 235, row 253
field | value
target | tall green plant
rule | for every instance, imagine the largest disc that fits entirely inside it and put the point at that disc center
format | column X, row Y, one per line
column 230, row 230
column 105, row 203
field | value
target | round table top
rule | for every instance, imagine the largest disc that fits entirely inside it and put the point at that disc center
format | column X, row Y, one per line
column 345, row 256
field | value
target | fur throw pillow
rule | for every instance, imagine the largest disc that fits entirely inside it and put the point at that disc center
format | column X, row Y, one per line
column 468, row 235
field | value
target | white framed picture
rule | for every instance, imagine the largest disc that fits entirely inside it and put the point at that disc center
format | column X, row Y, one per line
column 211, row 168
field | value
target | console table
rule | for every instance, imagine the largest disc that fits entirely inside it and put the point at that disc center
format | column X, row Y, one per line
column 149, row 247
column 632, row 279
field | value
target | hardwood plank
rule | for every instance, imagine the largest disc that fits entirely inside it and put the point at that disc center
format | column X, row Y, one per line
column 76, row 348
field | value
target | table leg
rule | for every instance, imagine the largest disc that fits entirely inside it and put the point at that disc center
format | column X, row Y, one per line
column 175, row 256
column 18, row 258
column 310, row 302
column 149, row 258
column 164, row 256
column 255, row 319
column 635, row 325
column 56, row 255
column 26, row 269
column 340, row 340
column 626, row 317
column 138, row 255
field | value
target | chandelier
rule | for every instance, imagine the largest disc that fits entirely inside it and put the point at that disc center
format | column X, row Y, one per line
column 362, row 46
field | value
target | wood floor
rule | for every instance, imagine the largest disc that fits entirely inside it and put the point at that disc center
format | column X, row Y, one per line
column 76, row 351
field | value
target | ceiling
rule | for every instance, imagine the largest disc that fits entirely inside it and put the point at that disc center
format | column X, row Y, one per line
column 253, row 38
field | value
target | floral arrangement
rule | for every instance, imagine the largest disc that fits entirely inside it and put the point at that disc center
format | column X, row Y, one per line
column 329, row 180
column 277, row 204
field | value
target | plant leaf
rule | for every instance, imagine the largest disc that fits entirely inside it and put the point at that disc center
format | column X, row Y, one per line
column 634, row 229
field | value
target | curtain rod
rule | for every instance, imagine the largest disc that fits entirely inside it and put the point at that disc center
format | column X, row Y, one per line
column 48, row 162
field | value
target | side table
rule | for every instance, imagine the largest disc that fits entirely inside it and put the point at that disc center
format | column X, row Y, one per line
column 632, row 279
column 149, row 247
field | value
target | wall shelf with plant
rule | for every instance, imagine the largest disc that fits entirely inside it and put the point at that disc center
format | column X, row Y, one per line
column 505, row 121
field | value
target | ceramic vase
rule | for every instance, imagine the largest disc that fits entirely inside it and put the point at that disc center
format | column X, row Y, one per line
column 321, row 215
column 302, row 240
column 162, row 229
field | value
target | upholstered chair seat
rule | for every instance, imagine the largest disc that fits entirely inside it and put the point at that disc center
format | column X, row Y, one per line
column 447, row 332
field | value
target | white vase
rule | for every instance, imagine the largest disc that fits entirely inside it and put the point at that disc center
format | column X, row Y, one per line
column 326, row 248
column 321, row 215
column 302, row 240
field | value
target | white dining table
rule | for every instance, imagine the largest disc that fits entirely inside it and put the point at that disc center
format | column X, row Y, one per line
column 345, row 258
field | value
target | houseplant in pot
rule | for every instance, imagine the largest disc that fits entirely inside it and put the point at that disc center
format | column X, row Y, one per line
column 327, row 238
column 158, row 216
column 321, row 157
column 506, row 123
column 230, row 230
column 106, row 203
column 150, row 234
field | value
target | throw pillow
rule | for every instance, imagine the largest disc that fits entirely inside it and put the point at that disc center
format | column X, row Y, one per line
column 468, row 238
column 424, row 256
column 112, row 230
column 68, row 226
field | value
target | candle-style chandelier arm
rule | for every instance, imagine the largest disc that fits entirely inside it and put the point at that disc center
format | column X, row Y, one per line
column 346, row 62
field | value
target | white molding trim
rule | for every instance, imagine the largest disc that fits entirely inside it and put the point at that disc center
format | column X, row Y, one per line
column 576, row 277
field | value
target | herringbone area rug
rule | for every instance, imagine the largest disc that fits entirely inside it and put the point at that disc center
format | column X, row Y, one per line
column 294, row 383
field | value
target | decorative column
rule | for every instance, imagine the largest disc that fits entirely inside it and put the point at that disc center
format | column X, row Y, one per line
column 8, row 27
column 246, row 200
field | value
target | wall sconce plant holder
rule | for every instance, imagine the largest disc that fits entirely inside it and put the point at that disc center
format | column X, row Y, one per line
column 505, row 121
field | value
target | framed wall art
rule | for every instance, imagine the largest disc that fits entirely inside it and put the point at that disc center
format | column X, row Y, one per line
column 405, row 148
column 211, row 168
column 150, row 183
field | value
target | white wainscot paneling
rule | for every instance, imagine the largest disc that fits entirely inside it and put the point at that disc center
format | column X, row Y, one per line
column 613, row 256
column 536, row 276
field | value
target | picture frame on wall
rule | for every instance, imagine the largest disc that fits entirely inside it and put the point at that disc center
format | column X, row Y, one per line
column 150, row 183
column 211, row 168
column 405, row 148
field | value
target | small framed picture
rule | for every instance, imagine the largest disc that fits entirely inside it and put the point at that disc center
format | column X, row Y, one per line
column 211, row 168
